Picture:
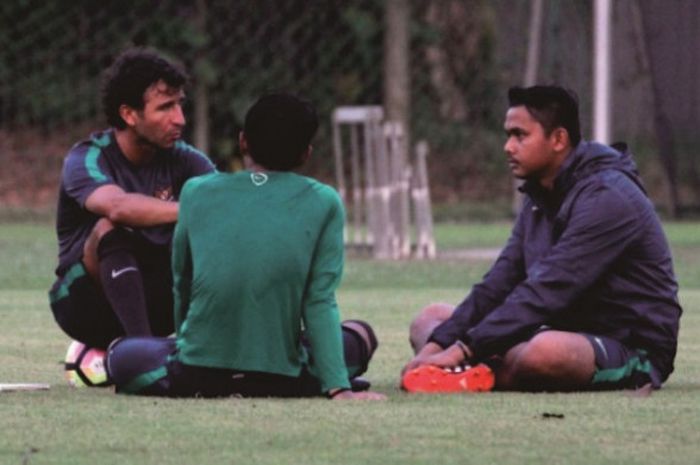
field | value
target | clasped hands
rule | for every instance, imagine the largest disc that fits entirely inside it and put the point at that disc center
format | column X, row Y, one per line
column 432, row 354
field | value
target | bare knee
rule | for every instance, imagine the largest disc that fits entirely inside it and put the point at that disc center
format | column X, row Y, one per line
column 90, row 259
column 102, row 227
column 426, row 321
column 552, row 360
column 537, row 356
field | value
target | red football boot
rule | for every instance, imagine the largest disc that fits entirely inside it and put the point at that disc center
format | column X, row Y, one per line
column 430, row 378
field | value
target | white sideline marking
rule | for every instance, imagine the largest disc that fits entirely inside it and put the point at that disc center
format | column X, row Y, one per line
column 11, row 387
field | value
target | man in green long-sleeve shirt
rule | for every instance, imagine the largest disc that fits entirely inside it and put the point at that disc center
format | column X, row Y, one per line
column 257, row 257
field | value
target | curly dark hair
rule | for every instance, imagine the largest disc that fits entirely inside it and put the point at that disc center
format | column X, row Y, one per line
column 279, row 128
column 126, row 81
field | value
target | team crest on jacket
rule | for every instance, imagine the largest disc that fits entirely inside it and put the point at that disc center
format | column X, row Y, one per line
column 165, row 193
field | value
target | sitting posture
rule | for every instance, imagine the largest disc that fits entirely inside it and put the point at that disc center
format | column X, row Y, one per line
column 118, row 204
column 583, row 296
column 257, row 258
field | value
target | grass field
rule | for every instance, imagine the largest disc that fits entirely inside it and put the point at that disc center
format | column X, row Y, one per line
column 86, row 426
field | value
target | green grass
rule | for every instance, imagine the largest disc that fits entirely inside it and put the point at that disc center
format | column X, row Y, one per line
column 84, row 426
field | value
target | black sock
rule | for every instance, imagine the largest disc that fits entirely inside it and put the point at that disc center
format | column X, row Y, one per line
column 122, row 282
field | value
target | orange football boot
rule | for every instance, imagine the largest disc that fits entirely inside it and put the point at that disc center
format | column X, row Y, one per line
column 430, row 378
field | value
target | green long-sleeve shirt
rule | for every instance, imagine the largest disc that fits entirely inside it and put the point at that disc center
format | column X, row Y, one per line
column 254, row 260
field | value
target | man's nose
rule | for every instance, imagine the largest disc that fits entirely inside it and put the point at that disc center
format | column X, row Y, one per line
column 508, row 146
column 178, row 116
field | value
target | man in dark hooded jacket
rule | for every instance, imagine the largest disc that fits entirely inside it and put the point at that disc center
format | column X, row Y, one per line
column 583, row 296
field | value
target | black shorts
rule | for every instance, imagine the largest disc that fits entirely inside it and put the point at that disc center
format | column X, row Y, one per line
column 148, row 366
column 616, row 365
column 621, row 367
column 82, row 311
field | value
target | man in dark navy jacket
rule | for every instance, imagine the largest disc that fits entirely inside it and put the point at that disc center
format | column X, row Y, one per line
column 583, row 296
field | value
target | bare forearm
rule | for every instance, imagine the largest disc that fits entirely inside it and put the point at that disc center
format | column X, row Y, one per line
column 141, row 210
column 131, row 209
column 429, row 349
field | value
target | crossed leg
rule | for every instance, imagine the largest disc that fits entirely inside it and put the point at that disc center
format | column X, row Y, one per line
column 550, row 361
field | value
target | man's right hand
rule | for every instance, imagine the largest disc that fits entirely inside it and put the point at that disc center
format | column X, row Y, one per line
column 420, row 358
column 433, row 354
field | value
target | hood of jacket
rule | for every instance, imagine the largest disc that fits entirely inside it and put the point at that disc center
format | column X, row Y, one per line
column 584, row 161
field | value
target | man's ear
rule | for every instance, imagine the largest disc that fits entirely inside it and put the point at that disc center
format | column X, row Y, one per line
column 243, row 143
column 306, row 155
column 560, row 139
column 128, row 114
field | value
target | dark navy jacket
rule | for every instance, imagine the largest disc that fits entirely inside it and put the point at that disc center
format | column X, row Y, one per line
column 589, row 256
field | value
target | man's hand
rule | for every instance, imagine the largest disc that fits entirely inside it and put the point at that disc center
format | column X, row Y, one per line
column 362, row 395
column 433, row 354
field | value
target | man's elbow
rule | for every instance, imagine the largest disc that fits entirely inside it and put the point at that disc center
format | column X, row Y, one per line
column 118, row 212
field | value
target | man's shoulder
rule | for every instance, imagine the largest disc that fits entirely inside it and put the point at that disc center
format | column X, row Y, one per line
column 610, row 197
column 202, row 182
column 185, row 150
column 96, row 142
column 188, row 161
column 318, row 185
column 324, row 191
column 86, row 157
column 612, row 186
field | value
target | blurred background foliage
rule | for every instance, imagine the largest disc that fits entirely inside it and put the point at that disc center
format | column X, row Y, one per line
column 464, row 54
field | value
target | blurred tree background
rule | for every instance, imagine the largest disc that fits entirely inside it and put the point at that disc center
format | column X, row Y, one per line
column 463, row 56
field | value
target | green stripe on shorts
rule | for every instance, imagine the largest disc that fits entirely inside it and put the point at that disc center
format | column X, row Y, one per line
column 74, row 272
column 144, row 380
column 612, row 375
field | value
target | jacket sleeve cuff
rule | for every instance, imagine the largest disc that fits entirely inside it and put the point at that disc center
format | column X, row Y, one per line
column 441, row 340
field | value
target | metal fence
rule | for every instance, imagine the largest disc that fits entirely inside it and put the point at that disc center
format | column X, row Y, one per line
column 463, row 56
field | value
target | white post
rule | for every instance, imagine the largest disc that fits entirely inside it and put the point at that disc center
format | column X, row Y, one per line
column 381, row 197
column 532, row 66
column 602, row 13
column 385, row 237
column 339, row 168
column 358, row 233
column 398, row 175
column 361, row 120
column 425, row 242
column 370, row 191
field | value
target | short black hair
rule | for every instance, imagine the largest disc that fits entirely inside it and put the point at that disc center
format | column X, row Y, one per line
column 551, row 106
column 126, row 80
column 279, row 128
